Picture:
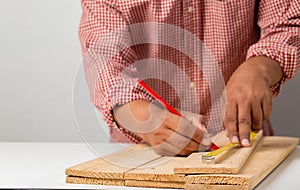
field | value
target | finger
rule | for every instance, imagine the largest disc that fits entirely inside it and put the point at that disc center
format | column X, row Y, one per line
column 174, row 145
column 185, row 136
column 244, row 123
column 267, row 106
column 160, row 144
column 183, row 142
column 198, row 121
column 231, row 122
column 185, row 128
column 165, row 149
column 178, row 141
column 257, row 116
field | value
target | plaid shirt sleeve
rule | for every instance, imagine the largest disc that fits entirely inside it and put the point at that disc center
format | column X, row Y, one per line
column 107, row 88
column 280, row 25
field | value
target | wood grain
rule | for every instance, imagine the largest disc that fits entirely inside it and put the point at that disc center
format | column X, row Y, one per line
column 157, row 170
column 230, row 161
column 214, row 187
column 270, row 152
column 114, row 165
column 154, row 184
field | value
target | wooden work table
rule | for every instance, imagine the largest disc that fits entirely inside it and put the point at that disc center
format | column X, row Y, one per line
column 42, row 165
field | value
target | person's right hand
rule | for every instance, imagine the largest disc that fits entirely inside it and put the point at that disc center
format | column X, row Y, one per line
column 167, row 133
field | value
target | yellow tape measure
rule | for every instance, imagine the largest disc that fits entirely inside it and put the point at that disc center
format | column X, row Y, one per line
column 209, row 157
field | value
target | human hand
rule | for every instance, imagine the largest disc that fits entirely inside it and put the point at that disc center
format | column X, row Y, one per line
column 167, row 133
column 249, row 97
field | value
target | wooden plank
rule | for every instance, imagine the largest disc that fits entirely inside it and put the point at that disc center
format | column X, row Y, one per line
column 214, row 187
column 230, row 161
column 114, row 165
column 270, row 152
column 94, row 181
column 154, row 184
column 157, row 170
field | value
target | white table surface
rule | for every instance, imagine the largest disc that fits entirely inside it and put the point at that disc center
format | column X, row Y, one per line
column 42, row 165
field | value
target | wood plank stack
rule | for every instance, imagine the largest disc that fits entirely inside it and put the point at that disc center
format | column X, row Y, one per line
column 238, row 168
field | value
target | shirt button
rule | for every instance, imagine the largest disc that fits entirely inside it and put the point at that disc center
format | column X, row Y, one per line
column 190, row 9
column 192, row 85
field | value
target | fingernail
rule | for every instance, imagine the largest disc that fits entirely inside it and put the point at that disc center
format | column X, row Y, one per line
column 245, row 142
column 234, row 139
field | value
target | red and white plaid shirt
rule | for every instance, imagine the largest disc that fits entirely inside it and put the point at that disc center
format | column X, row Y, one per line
column 230, row 29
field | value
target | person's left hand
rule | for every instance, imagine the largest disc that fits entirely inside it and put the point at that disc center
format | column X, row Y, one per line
column 249, row 97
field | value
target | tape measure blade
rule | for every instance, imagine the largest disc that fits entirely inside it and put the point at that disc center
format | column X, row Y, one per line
column 228, row 146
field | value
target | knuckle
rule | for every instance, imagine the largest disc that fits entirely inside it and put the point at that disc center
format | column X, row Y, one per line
column 244, row 122
column 231, row 120
column 259, row 94
column 229, row 99
column 241, row 95
column 157, row 133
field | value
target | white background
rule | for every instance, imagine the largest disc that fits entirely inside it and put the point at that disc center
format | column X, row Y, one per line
column 39, row 56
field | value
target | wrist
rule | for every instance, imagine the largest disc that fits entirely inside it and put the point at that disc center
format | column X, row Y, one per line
column 267, row 68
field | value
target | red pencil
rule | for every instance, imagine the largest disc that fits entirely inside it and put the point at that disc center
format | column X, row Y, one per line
column 167, row 105
column 159, row 98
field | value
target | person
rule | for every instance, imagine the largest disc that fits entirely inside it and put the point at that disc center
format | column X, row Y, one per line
column 255, row 43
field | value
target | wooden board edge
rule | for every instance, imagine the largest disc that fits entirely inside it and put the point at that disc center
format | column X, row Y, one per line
column 218, row 179
column 94, row 181
column 155, row 177
column 90, row 174
column 154, row 184
column 214, row 187
column 187, row 171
